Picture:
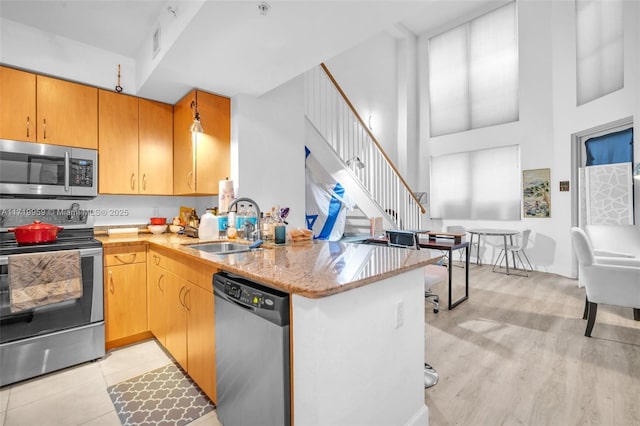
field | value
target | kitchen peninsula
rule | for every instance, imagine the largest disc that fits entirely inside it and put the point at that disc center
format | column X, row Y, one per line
column 357, row 322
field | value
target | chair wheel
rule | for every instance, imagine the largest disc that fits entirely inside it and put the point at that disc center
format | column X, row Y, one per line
column 436, row 310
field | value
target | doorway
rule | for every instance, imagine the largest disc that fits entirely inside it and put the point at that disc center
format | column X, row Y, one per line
column 580, row 158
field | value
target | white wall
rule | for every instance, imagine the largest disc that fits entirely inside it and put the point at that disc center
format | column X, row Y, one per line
column 268, row 149
column 40, row 52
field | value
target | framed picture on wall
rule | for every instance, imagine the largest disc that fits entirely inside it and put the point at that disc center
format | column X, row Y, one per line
column 536, row 197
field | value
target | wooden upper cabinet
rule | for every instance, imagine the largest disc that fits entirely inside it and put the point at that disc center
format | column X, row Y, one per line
column 155, row 139
column 67, row 113
column 183, row 152
column 17, row 105
column 214, row 146
column 118, row 136
column 136, row 145
column 201, row 159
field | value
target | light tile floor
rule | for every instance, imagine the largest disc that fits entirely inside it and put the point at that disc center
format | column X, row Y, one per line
column 78, row 395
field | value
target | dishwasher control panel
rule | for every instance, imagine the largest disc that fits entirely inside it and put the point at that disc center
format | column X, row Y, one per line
column 249, row 296
column 264, row 301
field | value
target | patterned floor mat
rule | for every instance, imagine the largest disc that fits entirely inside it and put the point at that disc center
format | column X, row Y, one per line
column 166, row 396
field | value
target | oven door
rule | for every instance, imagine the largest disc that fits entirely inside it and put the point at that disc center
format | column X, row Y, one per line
column 58, row 316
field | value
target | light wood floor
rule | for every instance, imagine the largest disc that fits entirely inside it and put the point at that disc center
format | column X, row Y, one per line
column 515, row 354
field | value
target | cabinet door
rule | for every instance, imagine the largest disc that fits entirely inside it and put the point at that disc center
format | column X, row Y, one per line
column 155, row 147
column 67, row 113
column 156, row 301
column 125, row 293
column 118, row 143
column 183, row 153
column 176, row 316
column 17, row 105
column 213, row 147
column 201, row 339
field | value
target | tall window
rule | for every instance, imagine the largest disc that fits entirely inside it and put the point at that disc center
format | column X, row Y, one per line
column 599, row 48
column 483, row 184
column 473, row 73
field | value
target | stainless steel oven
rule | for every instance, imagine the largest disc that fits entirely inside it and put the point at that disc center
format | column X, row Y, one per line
column 36, row 170
column 55, row 335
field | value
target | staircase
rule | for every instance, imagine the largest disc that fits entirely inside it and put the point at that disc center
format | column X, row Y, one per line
column 344, row 145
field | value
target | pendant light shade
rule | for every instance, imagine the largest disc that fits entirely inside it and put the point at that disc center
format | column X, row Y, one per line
column 196, row 127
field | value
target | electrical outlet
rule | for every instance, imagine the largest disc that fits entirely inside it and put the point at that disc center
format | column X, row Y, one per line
column 399, row 317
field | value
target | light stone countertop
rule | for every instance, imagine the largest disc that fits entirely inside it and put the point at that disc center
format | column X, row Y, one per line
column 311, row 269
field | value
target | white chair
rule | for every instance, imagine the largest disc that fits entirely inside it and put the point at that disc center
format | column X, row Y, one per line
column 606, row 283
column 517, row 251
column 615, row 240
column 474, row 249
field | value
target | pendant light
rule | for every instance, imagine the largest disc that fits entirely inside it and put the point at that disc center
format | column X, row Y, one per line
column 196, row 127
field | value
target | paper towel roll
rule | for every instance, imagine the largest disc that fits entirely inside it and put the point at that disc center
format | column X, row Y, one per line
column 225, row 194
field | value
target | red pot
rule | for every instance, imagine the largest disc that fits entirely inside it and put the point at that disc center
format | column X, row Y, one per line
column 36, row 233
column 158, row 220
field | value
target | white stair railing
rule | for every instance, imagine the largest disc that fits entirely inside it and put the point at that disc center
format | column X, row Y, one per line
column 336, row 120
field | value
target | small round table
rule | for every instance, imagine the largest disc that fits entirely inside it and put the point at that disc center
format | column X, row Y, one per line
column 493, row 232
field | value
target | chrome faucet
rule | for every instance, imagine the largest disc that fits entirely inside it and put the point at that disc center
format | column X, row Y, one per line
column 252, row 232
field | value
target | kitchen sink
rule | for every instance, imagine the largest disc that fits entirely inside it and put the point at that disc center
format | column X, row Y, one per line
column 222, row 247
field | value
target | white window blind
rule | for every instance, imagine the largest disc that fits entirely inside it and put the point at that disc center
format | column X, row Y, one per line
column 473, row 73
column 483, row 184
column 599, row 48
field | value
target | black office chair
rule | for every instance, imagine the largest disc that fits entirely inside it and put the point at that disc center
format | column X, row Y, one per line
column 432, row 274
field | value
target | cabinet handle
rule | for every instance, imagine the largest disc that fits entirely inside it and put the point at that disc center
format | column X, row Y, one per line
column 111, row 287
column 189, row 176
column 159, row 283
column 186, row 304
column 133, row 258
column 44, row 127
column 133, row 175
column 144, row 181
column 183, row 288
column 156, row 259
column 28, row 125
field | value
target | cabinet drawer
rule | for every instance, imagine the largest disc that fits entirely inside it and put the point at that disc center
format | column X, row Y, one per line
column 185, row 267
column 125, row 255
column 158, row 259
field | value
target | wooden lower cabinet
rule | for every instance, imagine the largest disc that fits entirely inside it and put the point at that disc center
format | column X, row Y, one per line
column 125, row 292
column 156, row 301
column 176, row 315
column 181, row 314
column 201, row 343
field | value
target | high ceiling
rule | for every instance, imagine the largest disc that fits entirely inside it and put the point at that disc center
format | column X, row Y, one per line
column 230, row 47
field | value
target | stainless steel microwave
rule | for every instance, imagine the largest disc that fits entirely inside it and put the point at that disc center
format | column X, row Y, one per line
column 36, row 170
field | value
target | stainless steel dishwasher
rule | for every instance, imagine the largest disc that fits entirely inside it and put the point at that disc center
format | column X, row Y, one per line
column 252, row 352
